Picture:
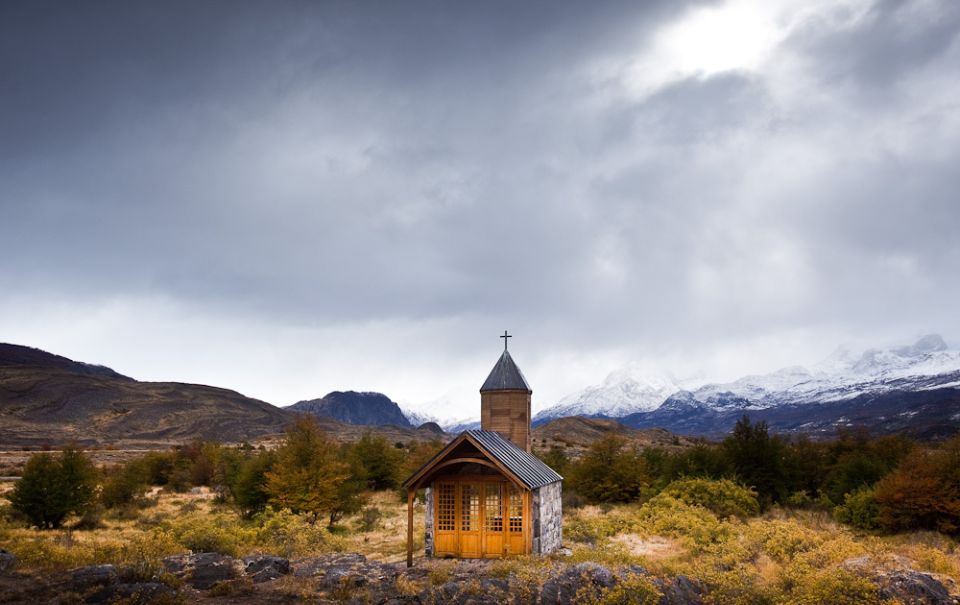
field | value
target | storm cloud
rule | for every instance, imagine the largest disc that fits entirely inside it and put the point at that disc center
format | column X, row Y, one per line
column 289, row 198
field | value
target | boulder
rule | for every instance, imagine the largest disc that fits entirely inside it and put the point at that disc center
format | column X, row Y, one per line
column 682, row 591
column 83, row 578
column 203, row 570
column 7, row 561
column 318, row 565
column 263, row 568
column 583, row 580
column 914, row 587
column 136, row 593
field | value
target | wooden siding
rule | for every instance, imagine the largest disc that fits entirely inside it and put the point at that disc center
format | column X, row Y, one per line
column 507, row 413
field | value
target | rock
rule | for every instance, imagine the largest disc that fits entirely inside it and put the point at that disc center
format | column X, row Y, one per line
column 318, row 565
column 913, row 587
column 682, row 591
column 588, row 577
column 263, row 568
column 137, row 593
column 7, row 561
column 83, row 578
column 203, row 570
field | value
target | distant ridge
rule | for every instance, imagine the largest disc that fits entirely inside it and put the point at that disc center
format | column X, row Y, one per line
column 352, row 407
column 47, row 399
column 19, row 355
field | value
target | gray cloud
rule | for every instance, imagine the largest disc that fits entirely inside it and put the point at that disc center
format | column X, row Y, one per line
column 328, row 164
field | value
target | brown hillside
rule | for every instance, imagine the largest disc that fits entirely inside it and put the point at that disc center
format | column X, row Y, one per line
column 47, row 399
column 577, row 433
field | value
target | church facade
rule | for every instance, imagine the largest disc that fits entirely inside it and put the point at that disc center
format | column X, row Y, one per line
column 487, row 495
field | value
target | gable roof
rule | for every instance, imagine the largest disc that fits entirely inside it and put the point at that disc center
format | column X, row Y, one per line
column 505, row 376
column 521, row 465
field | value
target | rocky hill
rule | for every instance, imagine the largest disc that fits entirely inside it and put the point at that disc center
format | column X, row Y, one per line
column 46, row 399
column 576, row 434
column 351, row 407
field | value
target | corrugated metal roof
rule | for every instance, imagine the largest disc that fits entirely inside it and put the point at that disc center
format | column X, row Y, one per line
column 528, row 468
column 505, row 376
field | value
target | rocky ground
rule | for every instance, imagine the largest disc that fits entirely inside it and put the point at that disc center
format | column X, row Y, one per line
column 352, row 578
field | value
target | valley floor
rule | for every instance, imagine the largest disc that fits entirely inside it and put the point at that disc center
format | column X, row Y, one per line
column 617, row 554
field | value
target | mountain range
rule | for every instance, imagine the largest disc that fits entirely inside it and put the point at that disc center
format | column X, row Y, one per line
column 912, row 388
column 367, row 408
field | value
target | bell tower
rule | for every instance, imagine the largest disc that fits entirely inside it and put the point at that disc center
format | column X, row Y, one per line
column 505, row 401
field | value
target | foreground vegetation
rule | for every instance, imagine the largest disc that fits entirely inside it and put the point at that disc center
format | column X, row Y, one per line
column 753, row 519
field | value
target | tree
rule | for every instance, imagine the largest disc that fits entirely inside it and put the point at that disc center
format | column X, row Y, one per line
column 308, row 476
column 923, row 492
column 758, row 460
column 53, row 488
column 374, row 461
column 610, row 471
column 249, row 485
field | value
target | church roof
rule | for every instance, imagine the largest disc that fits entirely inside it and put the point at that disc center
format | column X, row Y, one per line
column 505, row 376
column 526, row 468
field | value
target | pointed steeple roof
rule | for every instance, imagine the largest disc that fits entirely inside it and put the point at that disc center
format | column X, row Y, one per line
column 505, row 376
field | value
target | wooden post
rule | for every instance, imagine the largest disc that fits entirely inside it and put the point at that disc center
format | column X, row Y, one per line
column 410, row 528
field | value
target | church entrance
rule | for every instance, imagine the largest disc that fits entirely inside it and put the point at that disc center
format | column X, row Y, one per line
column 480, row 518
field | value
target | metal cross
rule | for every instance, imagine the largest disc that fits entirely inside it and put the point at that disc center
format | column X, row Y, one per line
column 505, row 337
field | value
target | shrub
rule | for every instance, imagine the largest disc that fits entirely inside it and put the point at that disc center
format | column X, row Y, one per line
column 634, row 589
column 122, row 486
column 206, row 533
column 859, row 509
column 923, row 492
column 783, row 540
column 668, row 516
column 370, row 518
column 722, row 497
column 288, row 534
column 835, row 586
column 610, row 471
column 52, row 488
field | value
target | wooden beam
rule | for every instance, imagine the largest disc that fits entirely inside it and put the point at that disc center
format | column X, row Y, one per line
column 410, row 493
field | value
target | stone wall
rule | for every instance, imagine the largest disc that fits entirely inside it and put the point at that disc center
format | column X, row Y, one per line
column 428, row 530
column 548, row 518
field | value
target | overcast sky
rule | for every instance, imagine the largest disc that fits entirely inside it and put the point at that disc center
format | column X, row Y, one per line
column 288, row 198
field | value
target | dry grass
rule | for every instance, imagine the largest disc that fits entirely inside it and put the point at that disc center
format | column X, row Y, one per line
column 780, row 557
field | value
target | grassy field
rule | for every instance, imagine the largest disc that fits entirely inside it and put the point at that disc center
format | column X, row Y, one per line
column 779, row 557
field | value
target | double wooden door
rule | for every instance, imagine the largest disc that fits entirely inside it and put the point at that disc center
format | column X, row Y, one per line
column 479, row 519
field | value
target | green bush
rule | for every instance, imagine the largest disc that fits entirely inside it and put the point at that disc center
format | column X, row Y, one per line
column 52, row 488
column 122, row 486
column 859, row 509
column 611, row 471
column 722, row 497
column 249, row 484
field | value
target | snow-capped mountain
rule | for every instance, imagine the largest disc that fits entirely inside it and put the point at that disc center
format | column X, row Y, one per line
column 884, row 388
column 418, row 418
column 926, row 364
column 625, row 391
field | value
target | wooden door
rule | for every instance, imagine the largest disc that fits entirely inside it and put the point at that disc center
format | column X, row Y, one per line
column 493, row 543
column 445, row 520
column 471, row 546
column 516, row 539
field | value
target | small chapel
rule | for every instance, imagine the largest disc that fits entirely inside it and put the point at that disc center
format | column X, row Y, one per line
column 487, row 495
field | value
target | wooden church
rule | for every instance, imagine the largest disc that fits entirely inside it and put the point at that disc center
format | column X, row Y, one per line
column 487, row 495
